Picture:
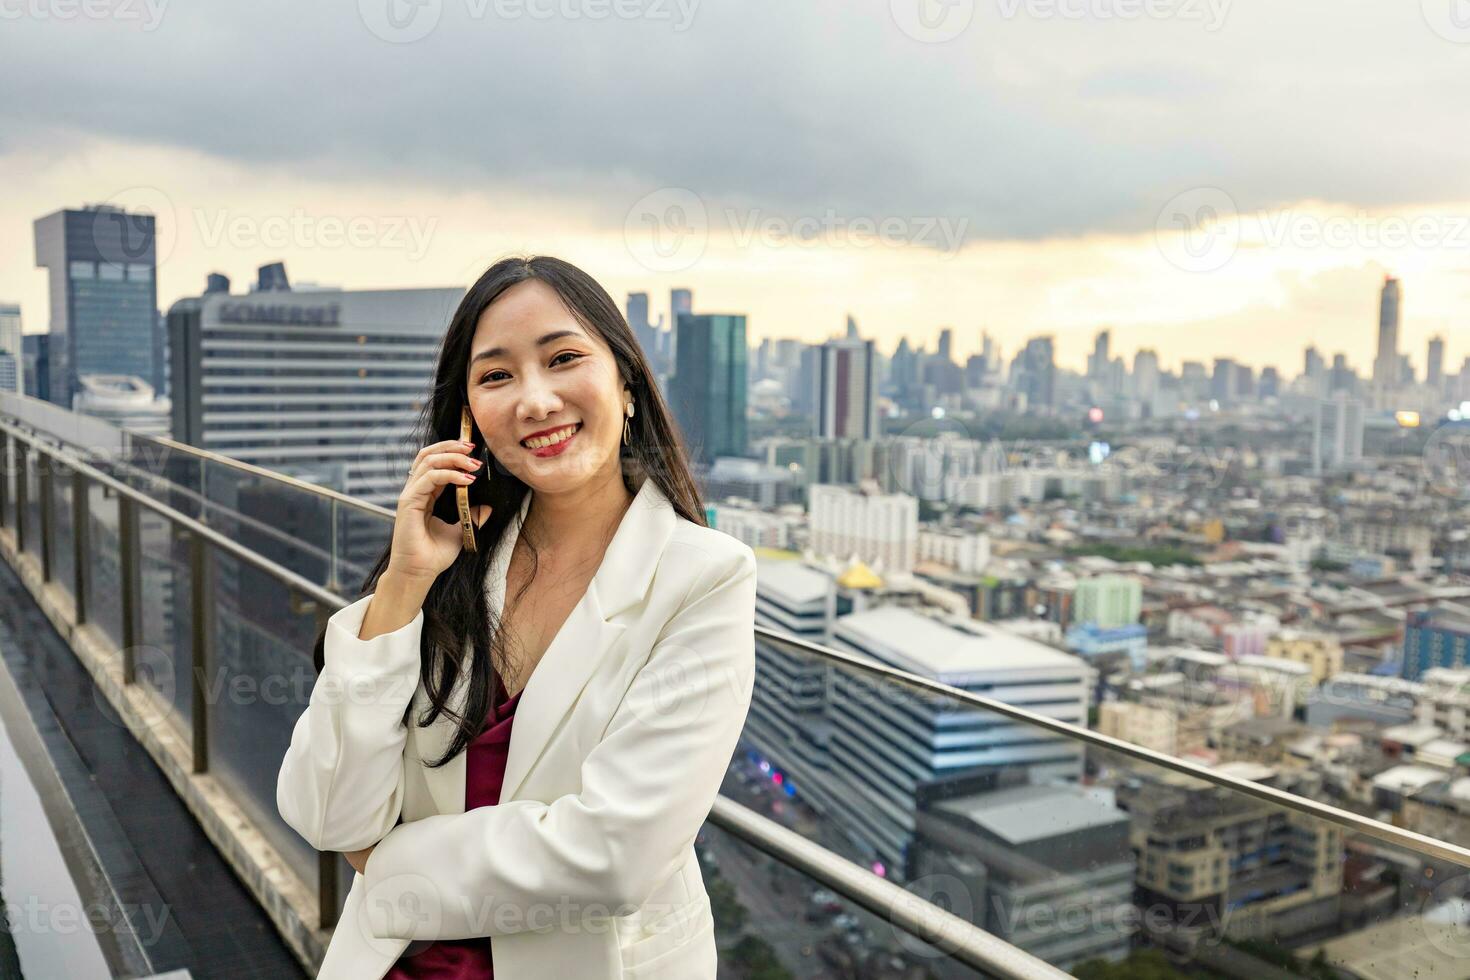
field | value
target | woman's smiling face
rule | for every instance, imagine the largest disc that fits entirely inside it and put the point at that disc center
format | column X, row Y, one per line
column 537, row 376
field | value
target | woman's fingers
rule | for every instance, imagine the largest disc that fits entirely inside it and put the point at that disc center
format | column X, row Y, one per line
column 426, row 486
column 453, row 459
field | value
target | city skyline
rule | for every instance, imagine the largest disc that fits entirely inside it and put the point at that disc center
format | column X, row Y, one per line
column 1341, row 288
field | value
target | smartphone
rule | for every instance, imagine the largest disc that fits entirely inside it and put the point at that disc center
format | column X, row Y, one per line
column 462, row 493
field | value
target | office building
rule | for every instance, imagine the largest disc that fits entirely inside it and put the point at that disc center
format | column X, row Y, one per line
column 1108, row 601
column 35, row 370
column 847, row 391
column 748, row 479
column 1320, row 652
column 1337, row 433
column 1056, row 868
column 1034, row 374
column 645, row 332
column 1436, row 637
column 1213, row 861
column 681, row 303
column 881, row 529
column 895, row 749
column 708, row 389
column 103, row 297
column 964, row 551
column 12, row 355
column 787, row 723
column 324, row 385
column 757, row 527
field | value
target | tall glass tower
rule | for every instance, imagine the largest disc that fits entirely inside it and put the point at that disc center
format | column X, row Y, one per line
column 103, row 295
column 1386, row 364
column 708, row 390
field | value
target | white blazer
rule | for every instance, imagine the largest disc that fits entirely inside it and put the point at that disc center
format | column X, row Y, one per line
column 586, row 869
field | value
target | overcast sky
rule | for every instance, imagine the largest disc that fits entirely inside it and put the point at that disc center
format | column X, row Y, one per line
column 1035, row 163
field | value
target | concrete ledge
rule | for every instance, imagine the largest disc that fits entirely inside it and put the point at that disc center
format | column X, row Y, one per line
column 287, row 899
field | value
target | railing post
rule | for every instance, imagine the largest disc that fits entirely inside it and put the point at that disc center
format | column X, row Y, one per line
column 198, row 577
column 48, row 516
column 326, row 861
column 5, row 471
column 128, row 566
column 332, row 557
column 326, row 891
column 22, row 496
column 81, row 544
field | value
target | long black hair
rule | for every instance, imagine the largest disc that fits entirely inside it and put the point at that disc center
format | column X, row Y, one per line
column 455, row 608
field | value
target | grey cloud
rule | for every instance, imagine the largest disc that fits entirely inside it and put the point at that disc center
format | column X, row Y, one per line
column 1023, row 127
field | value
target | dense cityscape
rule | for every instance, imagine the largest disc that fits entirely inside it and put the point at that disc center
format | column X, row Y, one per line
column 1263, row 575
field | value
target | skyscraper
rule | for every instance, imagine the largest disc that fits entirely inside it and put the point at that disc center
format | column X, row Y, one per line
column 1224, row 381
column 1337, row 432
column 104, row 300
column 1097, row 361
column 1435, row 364
column 1313, row 364
column 847, row 403
column 1036, row 371
column 643, row 330
column 681, row 301
column 1386, row 364
column 10, row 349
column 709, row 384
column 1146, row 377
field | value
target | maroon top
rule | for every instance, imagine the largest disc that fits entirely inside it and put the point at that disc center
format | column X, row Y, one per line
column 468, row 959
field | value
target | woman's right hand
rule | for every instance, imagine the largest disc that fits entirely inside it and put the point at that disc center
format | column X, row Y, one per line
column 423, row 545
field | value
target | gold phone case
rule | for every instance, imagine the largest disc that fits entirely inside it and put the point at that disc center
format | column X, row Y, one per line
column 461, row 493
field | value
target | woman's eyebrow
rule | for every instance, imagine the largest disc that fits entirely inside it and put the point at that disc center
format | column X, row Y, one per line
column 543, row 339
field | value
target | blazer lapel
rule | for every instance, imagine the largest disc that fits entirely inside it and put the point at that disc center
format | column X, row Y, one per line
column 621, row 580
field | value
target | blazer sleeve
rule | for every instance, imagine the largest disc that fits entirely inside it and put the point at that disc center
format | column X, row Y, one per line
column 341, row 781
column 647, row 788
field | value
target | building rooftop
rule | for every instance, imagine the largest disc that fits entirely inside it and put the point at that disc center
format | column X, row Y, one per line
column 1412, row 734
column 925, row 645
column 793, row 581
column 1029, row 813
column 1401, row 779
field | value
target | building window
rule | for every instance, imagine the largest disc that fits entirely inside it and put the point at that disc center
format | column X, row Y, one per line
column 83, row 270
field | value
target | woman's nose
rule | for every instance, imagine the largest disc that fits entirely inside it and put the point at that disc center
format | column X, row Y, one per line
column 538, row 400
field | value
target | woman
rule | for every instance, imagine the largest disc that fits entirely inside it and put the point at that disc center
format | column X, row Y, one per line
column 623, row 662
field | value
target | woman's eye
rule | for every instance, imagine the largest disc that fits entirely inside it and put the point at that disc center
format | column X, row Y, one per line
column 565, row 353
column 491, row 376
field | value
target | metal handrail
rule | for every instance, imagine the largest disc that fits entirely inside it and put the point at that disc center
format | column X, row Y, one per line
column 266, row 474
column 957, row 937
column 310, row 589
column 1420, row 843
